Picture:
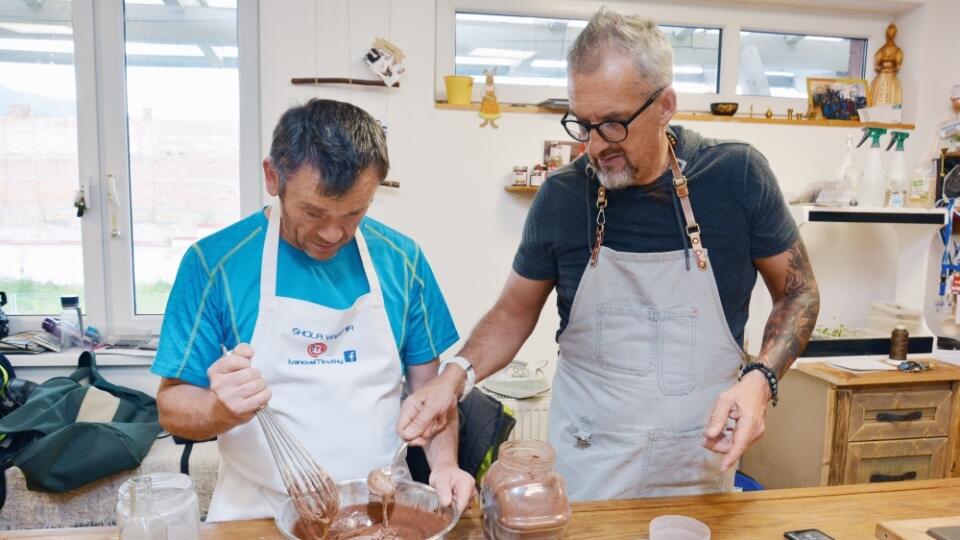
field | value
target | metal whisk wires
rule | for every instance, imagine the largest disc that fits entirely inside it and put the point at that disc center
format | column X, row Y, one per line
column 314, row 493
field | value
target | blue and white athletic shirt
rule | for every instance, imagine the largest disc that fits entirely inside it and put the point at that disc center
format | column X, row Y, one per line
column 216, row 294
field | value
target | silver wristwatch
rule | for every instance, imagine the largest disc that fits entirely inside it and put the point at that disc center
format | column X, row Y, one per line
column 467, row 368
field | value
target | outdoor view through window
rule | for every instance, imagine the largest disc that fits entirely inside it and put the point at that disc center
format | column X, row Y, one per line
column 533, row 50
column 40, row 252
column 183, row 138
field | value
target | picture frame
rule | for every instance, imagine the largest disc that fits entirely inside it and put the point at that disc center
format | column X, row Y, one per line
column 836, row 98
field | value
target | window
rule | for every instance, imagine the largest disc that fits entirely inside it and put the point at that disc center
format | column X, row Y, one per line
column 532, row 51
column 696, row 58
column 719, row 54
column 137, row 102
column 779, row 64
column 184, row 139
column 40, row 237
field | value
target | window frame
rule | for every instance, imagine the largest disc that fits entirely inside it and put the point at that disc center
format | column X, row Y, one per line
column 730, row 20
column 100, row 68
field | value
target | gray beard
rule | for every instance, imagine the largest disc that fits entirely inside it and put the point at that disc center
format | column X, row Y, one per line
column 617, row 180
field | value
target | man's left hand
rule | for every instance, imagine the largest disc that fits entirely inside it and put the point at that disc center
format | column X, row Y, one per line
column 745, row 403
column 453, row 484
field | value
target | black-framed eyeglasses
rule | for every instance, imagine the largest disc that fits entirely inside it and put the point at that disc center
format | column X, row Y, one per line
column 610, row 130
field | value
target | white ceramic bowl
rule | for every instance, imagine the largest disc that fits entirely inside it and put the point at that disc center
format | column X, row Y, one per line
column 353, row 492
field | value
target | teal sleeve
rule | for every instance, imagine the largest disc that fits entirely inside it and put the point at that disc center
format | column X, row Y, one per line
column 429, row 326
column 192, row 328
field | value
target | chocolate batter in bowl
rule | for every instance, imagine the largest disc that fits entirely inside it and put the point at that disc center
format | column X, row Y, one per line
column 413, row 515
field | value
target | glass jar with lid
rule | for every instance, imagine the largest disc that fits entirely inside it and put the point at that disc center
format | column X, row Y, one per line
column 523, row 497
column 174, row 499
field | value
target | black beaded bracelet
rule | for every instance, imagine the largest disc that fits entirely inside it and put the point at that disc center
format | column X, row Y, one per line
column 770, row 375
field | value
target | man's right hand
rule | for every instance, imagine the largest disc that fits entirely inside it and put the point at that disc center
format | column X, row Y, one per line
column 424, row 413
column 240, row 389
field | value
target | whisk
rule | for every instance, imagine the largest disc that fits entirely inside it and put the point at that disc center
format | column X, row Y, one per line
column 313, row 492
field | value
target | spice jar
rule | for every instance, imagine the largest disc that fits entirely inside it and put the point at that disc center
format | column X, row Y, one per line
column 523, row 497
column 174, row 499
column 520, row 176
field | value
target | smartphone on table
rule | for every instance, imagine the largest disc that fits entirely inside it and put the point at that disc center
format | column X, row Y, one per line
column 807, row 534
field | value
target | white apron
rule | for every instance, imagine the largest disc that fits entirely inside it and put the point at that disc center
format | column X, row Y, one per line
column 336, row 382
column 645, row 354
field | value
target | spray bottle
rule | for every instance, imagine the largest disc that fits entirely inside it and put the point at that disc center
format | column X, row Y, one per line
column 873, row 188
column 897, row 186
column 847, row 175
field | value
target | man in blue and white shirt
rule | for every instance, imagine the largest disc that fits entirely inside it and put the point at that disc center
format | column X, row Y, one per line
column 355, row 309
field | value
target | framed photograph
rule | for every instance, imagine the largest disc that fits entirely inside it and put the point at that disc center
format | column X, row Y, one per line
column 836, row 98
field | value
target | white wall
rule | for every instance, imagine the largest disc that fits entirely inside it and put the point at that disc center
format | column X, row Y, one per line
column 452, row 172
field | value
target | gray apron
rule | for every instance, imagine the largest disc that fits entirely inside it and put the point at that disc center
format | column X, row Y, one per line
column 646, row 352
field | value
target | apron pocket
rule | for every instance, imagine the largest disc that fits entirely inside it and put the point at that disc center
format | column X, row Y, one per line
column 678, row 464
column 675, row 343
column 625, row 339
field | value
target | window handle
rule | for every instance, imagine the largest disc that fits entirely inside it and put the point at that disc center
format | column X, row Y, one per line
column 113, row 195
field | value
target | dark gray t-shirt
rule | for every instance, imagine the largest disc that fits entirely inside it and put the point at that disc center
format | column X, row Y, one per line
column 735, row 198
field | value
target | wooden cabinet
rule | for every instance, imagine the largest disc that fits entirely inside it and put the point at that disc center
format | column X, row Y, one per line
column 836, row 427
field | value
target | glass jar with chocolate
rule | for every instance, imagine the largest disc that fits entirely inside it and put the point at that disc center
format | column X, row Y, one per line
column 523, row 497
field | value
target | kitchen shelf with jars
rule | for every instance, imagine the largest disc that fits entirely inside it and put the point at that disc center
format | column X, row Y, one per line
column 556, row 154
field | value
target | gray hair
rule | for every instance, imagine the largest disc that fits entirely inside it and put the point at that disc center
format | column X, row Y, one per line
column 338, row 140
column 637, row 36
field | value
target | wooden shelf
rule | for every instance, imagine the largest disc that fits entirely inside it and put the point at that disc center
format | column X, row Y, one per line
column 695, row 117
column 521, row 189
column 504, row 107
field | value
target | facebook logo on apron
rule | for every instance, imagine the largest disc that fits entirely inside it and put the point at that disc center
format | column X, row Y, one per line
column 349, row 357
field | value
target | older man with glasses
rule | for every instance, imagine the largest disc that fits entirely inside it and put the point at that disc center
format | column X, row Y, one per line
column 653, row 393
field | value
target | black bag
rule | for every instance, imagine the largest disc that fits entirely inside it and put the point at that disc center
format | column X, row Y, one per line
column 484, row 425
column 77, row 429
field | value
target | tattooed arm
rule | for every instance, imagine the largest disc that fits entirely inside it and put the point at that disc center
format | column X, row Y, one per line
column 796, row 303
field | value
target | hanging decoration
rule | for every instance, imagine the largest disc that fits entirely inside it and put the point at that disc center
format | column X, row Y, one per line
column 386, row 60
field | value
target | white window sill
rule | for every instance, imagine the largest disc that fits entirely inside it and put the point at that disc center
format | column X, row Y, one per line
column 69, row 359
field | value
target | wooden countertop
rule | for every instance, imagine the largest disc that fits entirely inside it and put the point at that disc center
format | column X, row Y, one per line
column 939, row 372
column 844, row 512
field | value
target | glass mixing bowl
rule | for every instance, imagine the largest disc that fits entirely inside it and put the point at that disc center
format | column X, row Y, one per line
column 352, row 492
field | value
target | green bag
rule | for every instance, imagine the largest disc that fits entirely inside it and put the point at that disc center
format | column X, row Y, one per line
column 77, row 429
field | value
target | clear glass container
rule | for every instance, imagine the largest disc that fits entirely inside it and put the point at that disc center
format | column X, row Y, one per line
column 143, row 522
column 174, row 499
column 71, row 323
column 523, row 497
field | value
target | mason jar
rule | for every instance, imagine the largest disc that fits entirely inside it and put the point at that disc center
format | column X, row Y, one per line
column 523, row 497
column 174, row 498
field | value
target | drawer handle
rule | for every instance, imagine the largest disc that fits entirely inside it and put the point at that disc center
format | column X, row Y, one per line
column 877, row 477
column 894, row 417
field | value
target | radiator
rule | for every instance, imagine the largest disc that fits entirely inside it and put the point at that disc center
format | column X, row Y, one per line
column 531, row 415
